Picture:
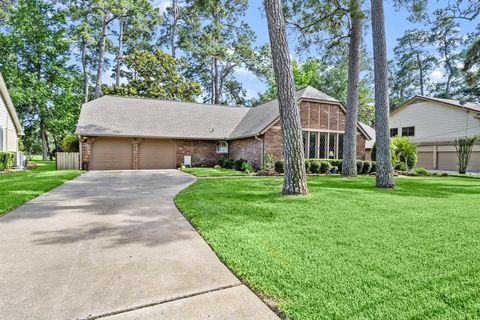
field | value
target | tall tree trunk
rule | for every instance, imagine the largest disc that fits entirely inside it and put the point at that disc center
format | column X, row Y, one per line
column 173, row 32
column 349, row 163
column 44, row 138
column 120, row 52
column 420, row 68
column 85, row 70
column 216, row 99
column 101, row 57
column 384, row 176
column 294, row 181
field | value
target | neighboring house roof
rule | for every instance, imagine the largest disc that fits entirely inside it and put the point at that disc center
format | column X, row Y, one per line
column 141, row 117
column 371, row 132
column 11, row 109
column 454, row 103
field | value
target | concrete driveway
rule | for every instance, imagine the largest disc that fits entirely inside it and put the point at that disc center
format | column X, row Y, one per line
column 111, row 244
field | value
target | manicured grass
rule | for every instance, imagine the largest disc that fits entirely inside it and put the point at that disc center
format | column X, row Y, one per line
column 212, row 172
column 348, row 250
column 19, row 187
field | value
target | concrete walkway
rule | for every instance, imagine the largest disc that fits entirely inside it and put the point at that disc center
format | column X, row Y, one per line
column 112, row 245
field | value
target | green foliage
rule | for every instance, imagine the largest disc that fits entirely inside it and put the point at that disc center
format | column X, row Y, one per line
column 400, row 166
column 247, row 167
column 315, row 166
column 155, row 74
column 213, row 172
column 268, row 161
column 238, row 164
column 221, row 161
column 422, row 171
column 374, row 166
column 6, row 159
column 367, row 167
column 405, row 151
column 71, row 143
column 280, row 166
column 229, row 163
column 325, row 167
column 373, row 152
column 359, row 164
column 464, row 148
column 307, row 166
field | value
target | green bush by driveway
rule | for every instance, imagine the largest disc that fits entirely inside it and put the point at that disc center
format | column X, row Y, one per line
column 348, row 250
column 19, row 187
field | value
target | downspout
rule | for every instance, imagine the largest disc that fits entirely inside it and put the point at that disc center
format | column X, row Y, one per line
column 263, row 148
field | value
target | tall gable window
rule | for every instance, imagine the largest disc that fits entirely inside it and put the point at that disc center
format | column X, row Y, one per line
column 323, row 145
column 222, row 147
column 408, row 131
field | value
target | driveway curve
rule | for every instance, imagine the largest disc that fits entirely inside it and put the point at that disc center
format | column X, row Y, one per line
column 111, row 244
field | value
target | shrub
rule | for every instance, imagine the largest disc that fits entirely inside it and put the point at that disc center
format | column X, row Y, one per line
column 405, row 151
column 325, row 166
column 307, row 166
column 268, row 161
column 374, row 166
column 6, row 160
column 373, row 152
column 315, row 166
column 339, row 165
column 280, row 166
column 400, row 166
column 367, row 167
column 247, row 167
column 359, row 166
column 229, row 162
column 237, row 164
column 422, row 171
column 221, row 161
column 70, row 144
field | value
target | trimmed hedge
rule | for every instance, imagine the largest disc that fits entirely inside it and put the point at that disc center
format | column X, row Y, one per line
column 238, row 163
column 325, row 167
column 315, row 166
column 374, row 166
column 367, row 167
column 279, row 166
column 307, row 166
column 400, row 166
column 6, row 160
column 359, row 166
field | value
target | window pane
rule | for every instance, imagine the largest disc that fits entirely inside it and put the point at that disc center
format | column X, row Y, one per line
column 313, row 145
column 408, row 131
column 323, row 145
column 332, row 140
column 393, row 132
column 340, row 146
column 305, row 144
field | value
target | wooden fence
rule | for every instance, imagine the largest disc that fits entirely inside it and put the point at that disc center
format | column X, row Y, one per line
column 68, row 160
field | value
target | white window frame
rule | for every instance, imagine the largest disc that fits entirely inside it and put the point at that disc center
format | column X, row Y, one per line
column 222, row 147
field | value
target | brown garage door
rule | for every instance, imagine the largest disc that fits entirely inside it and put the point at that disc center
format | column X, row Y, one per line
column 447, row 160
column 425, row 160
column 156, row 154
column 111, row 154
column 474, row 164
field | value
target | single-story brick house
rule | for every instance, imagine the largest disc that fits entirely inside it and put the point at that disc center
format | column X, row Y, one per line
column 138, row 133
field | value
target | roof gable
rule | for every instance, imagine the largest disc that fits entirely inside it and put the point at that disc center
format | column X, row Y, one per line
column 448, row 102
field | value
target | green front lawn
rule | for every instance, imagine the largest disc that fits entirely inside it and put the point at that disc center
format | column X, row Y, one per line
column 19, row 187
column 212, row 172
column 348, row 250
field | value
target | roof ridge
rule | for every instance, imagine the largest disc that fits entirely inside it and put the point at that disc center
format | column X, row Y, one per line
column 168, row 100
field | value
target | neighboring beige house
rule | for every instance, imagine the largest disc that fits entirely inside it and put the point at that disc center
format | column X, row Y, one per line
column 10, row 127
column 434, row 124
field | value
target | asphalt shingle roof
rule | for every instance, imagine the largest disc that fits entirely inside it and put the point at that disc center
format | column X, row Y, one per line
column 140, row 117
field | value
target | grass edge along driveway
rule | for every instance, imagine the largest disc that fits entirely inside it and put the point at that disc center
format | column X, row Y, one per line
column 19, row 187
column 348, row 249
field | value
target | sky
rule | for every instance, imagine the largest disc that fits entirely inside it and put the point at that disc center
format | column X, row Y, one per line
column 396, row 24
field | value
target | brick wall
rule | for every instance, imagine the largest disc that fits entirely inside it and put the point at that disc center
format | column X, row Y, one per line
column 249, row 149
column 203, row 152
column 313, row 115
column 87, row 148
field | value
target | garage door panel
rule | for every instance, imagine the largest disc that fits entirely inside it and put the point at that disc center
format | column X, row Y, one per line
column 425, row 160
column 447, row 161
column 111, row 154
column 157, row 154
column 474, row 164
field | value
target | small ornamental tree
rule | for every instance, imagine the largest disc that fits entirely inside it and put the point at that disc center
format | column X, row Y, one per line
column 464, row 148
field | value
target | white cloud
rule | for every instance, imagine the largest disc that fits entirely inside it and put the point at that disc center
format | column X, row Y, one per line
column 244, row 72
column 436, row 75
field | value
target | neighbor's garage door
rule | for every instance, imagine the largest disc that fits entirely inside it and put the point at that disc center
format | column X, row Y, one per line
column 156, row 154
column 474, row 164
column 447, row 160
column 425, row 160
column 111, row 154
